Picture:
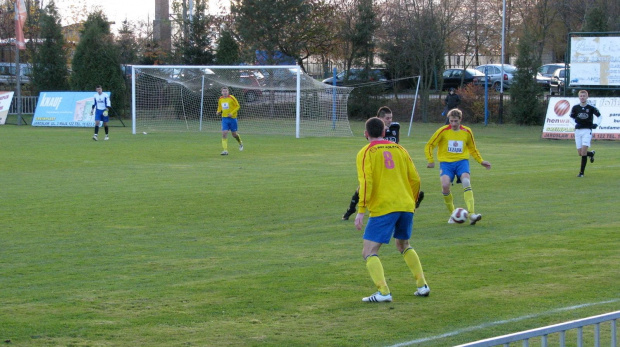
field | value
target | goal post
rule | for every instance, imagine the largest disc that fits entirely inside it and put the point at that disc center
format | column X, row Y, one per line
column 274, row 99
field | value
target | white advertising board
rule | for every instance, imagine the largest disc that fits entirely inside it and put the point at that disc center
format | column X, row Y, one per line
column 5, row 105
column 559, row 124
column 594, row 61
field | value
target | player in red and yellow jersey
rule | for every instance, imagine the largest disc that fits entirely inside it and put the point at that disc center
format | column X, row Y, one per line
column 455, row 143
column 389, row 188
column 227, row 107
column 392, row 133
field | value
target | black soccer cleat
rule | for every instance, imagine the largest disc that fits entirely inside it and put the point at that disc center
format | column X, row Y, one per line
column 580, row 174
column 348, row 214
column 592, row 157
column 420, row 198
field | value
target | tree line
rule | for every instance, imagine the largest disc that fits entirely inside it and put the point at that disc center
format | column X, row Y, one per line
column 409, row 37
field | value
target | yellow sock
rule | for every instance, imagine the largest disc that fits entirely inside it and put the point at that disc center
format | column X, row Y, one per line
column 413, row 261
column 225, row 144
column 238, row 138
column 469, row 199
column 449, row 201
column 375, row 268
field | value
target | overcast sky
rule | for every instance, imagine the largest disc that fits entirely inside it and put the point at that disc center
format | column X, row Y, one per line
column 117, row 10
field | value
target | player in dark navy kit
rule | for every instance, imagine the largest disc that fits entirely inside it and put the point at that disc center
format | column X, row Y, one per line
column 583, row 115
column 452, row 101
column 392, row 133
column 392, row 129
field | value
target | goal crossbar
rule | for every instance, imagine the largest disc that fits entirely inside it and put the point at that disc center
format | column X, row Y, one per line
column 273, row 98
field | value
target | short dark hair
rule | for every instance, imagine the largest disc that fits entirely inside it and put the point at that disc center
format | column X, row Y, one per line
column 383, row 110
column 375, row 127
column 98, row 86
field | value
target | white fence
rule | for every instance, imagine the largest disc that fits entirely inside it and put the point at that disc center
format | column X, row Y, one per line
column 29, row 103
column 561, row 329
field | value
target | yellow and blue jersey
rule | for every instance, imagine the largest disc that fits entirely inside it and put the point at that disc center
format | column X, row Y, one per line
column 389, row 182
column 228, row 106
column 452, row 145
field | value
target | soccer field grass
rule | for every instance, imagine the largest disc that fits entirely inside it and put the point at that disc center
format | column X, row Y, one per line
column 157, row 240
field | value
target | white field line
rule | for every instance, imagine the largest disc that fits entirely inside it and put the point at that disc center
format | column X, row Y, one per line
column 486, row 325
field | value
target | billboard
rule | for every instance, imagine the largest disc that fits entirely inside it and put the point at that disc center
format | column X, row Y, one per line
column 559, row 124
column 5, row 104
column 65, row 109
column 594, row 61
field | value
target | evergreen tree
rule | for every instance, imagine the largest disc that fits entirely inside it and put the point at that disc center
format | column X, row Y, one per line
column 525, row 105
column 127, row 44
column 227, row 52
column 595, row 21
column 361, row 35
column 97, row 61
column 49, row 70
column 194, row 45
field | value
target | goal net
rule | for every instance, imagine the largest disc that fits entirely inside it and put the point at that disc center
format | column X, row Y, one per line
column 279, row 100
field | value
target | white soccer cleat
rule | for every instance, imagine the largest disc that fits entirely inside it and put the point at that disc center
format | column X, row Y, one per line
column 241, row 147
column 378, row 297
column 451, row 221
column 224, row 153
column 95, row 137
column 474, row 217
column 106, row 138
column 423, row 291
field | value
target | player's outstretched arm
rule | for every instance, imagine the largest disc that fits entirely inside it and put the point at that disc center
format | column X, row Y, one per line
column 486, row 164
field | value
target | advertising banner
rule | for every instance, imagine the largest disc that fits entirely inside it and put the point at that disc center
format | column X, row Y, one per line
column 65, row 109
column 595, row 61
column 559, row 124
column 5, row 105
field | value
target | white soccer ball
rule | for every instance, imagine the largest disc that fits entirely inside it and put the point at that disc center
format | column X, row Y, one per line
column 459, row 215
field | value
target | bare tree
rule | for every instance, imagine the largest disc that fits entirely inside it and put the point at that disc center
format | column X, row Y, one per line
column 416, row 32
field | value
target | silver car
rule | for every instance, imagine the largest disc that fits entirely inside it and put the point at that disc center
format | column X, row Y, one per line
column 494, row 71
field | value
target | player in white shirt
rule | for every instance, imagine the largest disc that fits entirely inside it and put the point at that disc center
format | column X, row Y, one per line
column 100, row 109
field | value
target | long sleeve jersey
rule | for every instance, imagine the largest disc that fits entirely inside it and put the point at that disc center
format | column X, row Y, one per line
column 228, row 106
column 389, row 182
column 101, row 101
column 452, row 145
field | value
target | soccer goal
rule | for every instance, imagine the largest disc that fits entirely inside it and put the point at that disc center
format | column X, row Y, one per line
column 279, row 100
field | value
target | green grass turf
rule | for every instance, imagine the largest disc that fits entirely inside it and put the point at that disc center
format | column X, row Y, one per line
column 157, row 240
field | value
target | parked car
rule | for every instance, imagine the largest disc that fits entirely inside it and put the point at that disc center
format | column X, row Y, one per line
column 452, row 78
column 543, row 77
column 254, row 81
column 283, row 78
column 8, row 73
column 556, row 84
column 359, row 76
column 494, row 71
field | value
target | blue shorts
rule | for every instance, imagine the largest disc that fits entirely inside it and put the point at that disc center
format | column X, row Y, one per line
column 455, row 168
column 381, row 229
column 100, row 117
column 229, row 124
